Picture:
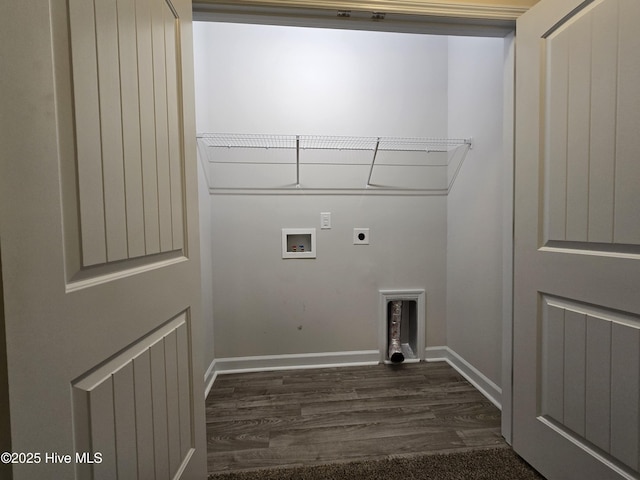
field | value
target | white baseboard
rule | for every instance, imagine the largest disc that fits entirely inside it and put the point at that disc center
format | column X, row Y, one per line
column 221, row 366
column 489, row 389
column 265, row 363
column 209, row 377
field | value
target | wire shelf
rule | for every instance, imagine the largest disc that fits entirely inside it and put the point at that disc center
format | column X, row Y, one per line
column 237, row 140
column 227, row 150
column 329, row 142
column 421, row 144
column 318, row 142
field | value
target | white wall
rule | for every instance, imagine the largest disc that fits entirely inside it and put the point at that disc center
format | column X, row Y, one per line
column 264, row 305
column 475, row 216
column 293, row 80
column 265, row 79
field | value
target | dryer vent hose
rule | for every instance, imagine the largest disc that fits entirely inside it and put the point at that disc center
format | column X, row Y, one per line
column 395, row 347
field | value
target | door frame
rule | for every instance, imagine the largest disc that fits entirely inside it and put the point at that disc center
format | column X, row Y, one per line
column 483, row 13
column 478, row 21
column 437, row 19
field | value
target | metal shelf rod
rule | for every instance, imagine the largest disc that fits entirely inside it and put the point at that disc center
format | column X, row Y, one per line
column 298, row 161
column 373, row 161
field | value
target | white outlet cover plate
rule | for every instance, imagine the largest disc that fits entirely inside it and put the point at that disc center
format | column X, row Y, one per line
column 357, row 233
column 325, row 220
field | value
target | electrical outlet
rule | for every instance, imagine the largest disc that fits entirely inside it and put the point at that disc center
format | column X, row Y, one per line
column 361, row 236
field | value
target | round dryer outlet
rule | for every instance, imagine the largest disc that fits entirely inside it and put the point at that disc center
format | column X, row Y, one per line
column 361, row 236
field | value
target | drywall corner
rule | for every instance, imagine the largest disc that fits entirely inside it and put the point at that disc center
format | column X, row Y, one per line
column 206, row 265
column 475, row 204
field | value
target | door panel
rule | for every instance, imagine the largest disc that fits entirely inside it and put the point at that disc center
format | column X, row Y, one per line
column 105, row 410
column 130, row 185
column 627, row 200
column 590, row 376
column 591, row 88
column 577, row 256
column 100, row 254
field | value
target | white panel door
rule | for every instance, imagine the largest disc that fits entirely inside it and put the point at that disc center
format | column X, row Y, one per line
column 576, row 370
column 99, row 240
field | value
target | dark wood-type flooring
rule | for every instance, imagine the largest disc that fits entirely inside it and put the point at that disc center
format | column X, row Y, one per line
column 316, row 416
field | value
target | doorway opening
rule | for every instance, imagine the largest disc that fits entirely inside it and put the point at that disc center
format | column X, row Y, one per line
column 256, row 76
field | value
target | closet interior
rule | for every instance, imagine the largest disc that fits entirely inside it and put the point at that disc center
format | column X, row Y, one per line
column 390, row 153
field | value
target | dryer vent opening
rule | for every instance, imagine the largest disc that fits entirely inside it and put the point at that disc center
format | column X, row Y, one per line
column 402, row 325
column 402, row 330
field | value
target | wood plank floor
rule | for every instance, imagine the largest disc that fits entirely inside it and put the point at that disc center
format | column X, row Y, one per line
column 330, row 415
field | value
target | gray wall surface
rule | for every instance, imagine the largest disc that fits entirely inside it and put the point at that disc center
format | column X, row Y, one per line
column 474, row 214
column 266, row 305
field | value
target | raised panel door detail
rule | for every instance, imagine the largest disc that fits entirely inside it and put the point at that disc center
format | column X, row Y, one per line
column 126, row 86
column 138, row 403
column 590, row 377
column 591, row 120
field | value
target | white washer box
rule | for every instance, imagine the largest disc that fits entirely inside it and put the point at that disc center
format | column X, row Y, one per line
column 298, row 243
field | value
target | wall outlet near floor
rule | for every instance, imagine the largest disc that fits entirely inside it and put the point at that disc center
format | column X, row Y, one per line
column 361, row 236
